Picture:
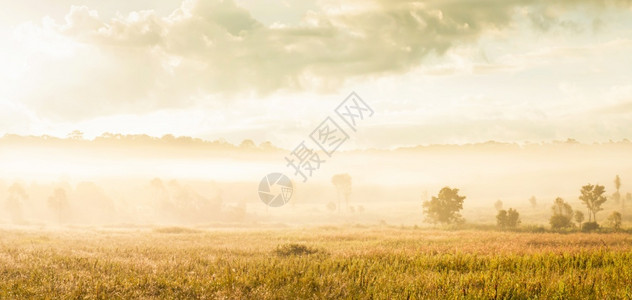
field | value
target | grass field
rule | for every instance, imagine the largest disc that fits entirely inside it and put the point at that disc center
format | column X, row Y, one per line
column 326, row 262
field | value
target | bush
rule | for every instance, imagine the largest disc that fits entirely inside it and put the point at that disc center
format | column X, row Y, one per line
column 560, row 221
column 590, row 226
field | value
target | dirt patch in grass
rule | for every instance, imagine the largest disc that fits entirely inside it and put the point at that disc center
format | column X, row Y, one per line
column 295, row 250
column 175, row 230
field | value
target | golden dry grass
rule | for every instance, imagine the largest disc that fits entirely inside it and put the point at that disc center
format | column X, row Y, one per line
column 327, row 262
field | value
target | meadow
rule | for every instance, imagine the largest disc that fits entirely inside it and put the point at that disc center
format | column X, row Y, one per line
column 333, row 262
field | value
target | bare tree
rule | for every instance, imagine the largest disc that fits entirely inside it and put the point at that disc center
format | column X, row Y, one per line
column 342, row 182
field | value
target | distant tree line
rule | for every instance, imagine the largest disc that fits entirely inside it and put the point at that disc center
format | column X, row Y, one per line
column 446, row 206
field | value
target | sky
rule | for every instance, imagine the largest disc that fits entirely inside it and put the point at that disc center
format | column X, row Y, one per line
column 449, row 71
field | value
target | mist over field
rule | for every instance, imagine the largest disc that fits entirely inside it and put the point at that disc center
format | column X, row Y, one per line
column 316, row 149
column 144, row 181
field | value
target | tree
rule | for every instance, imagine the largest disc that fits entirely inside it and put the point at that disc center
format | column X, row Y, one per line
column 75, row 135
column 614, row 220
column 593, row 197
column 579, row 217
column 616, row 195
column 501, row 218
column 161, row 196
column 533, row 201
column 58, row 202
column 445, row 208
column 342, row 182
column 247, row 144
column 513, row 218
column 508, row 218
column 16, row 198
column 96, row 206
column 498, row 205
column 562, row 214
column 331, row 206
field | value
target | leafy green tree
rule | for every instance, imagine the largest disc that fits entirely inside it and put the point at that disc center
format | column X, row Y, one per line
column 508, row 218
column 445, row 208
column 614, row 220
column 593, row 197
column 562, row 214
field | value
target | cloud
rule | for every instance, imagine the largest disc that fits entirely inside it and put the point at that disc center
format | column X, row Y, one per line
column 142, row 61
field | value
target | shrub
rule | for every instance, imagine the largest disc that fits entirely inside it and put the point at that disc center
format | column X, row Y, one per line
column 560, row 222
column 590, row 226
